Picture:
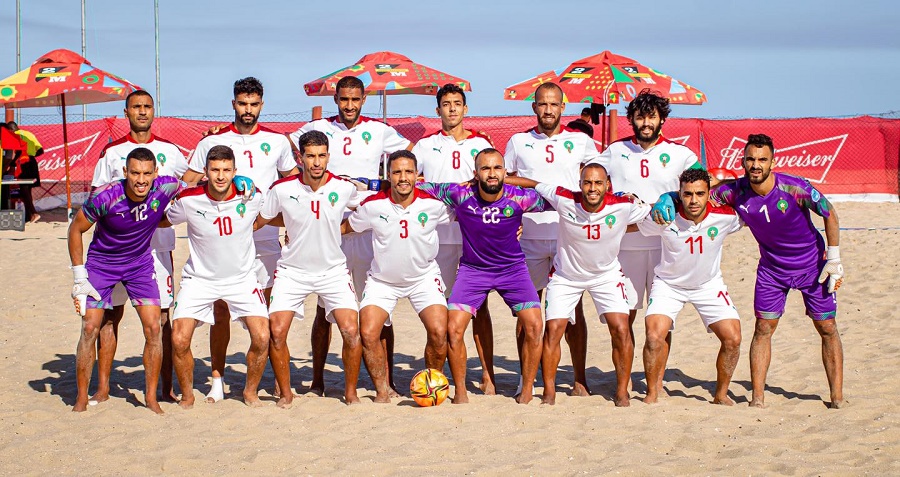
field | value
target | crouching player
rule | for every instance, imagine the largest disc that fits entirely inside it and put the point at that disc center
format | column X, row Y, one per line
column 404, row 237
column 689, row 272
column 220, row 225
column 592, row 224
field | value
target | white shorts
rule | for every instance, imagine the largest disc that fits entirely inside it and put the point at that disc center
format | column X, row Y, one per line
column 196, row 297
column 448, row 261
column 335, row 290
column 539, row 259
column 638, row 266
column 711, row 301
column 611, row 292
column 267, row 254
column 163, row 269
column 357, row 247
column 422, row 294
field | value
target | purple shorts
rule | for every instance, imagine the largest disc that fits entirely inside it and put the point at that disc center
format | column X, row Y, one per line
column 472, row 287
column 138, row 277
column 772, row 289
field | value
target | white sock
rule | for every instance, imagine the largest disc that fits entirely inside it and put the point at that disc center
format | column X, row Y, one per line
column 217, row 392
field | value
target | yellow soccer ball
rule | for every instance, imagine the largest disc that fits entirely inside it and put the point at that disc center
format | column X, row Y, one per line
column 429, row 387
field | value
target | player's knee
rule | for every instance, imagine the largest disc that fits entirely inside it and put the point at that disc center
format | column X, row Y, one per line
column 278, row 335
column 655, row 341
column 765, row 328
column 732, row 342
column 351, row 337
column 259, row 340
column 437, row 337
column 152, row 331
column 827, row 328
column 181, row 342
column 89, row 330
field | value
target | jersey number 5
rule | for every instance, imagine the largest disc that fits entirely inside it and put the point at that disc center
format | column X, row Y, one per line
column 549, row 157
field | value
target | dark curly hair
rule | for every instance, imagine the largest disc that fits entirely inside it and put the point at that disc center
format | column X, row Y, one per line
column 248, row 85
column 646, row 102
column 759, row 140
column 694, row 175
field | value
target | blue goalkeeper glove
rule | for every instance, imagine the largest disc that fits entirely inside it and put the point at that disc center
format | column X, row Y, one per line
column 663, row 211
column 245, row 186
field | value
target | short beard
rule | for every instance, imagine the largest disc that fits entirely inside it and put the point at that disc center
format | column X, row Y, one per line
column 242, row 121
column 762, row 178
column 653, row 137
column 490, row 189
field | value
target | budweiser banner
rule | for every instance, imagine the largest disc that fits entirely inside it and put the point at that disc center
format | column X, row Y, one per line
column 849, row 159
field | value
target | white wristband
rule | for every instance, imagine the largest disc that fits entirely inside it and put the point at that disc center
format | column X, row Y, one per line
column 833, row 253
column 79, row 272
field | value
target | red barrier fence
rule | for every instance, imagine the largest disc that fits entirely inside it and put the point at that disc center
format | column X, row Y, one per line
column 849, row 159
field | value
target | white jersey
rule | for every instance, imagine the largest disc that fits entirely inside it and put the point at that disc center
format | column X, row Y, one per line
column 220, row 234
column 647, row 174
column 169, row 162
column 260, row 155
column 404, row 239
column 441, row 158
column 554, row 160
column 588, row 243
column 355, row 152
column 312, row 220
column 692, row 253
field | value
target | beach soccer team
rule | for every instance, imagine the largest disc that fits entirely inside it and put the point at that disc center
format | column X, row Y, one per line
column 549, row 219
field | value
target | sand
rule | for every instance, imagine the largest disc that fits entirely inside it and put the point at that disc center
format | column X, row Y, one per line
column 684, row 434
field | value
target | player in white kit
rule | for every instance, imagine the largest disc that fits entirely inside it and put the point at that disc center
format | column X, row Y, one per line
column 356, row 146
column 312, row 205
column 553, row 154
column 646, row 165
column 592, row 223
column 262, row 155
column 689, row 271
column 110, row 168
column 222, row 266
column 448, row 155
column 404, row 223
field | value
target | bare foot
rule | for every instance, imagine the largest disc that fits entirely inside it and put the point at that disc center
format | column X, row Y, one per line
column 252, row 400
column 461, row 397
column 524, row 398
column 35, row 218
column 623, row 401
column 80, row 406
column 757, row 403
column 154, row 406
column 169, row 397
column 487, row 387
column 317, row 388
column 650, row 399
column 285, row 402
column 549, row 397
column 392, row 393
column 187, row 403
column 100, row 396
column 726, row 401
column 351, row 399
column 581, row 390
column 836, row 404
column 383, row 398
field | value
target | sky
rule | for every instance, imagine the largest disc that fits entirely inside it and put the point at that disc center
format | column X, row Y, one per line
column 763, row 58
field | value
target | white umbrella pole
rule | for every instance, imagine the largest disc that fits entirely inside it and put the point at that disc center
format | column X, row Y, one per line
column 66, row 157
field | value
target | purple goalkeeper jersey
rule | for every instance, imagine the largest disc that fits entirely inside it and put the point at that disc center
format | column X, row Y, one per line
column 788, row 241
column 488, row 228
column 125, row 227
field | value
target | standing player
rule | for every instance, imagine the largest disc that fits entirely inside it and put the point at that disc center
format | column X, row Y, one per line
column 404, row 224
column 111, row 168
column 311, row 206
column 776, row 208
column 357, row 144
column 592, row 224
column 221, row 267
column 127, row 213
column 448, row 155
column 554, row 154
column 490, row 214
column 646, row 165
column 261, row 154
column 690, row 272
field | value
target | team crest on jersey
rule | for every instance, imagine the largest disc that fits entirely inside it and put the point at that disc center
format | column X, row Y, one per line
column 333, row 197
column 712, row 232
column 367, row 136
column 782, row 205
column 161, row 158
column 508, row 211
column 241, row 209
column 569, row 146
column 154, row 205
column 474, row 152
column 422, row 218
column 664, row 159
column 610, row 220
column 265, row 148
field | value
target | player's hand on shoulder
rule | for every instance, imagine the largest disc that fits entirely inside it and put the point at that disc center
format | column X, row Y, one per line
column 214, row 129
column 245, row 186
column 663, row 211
